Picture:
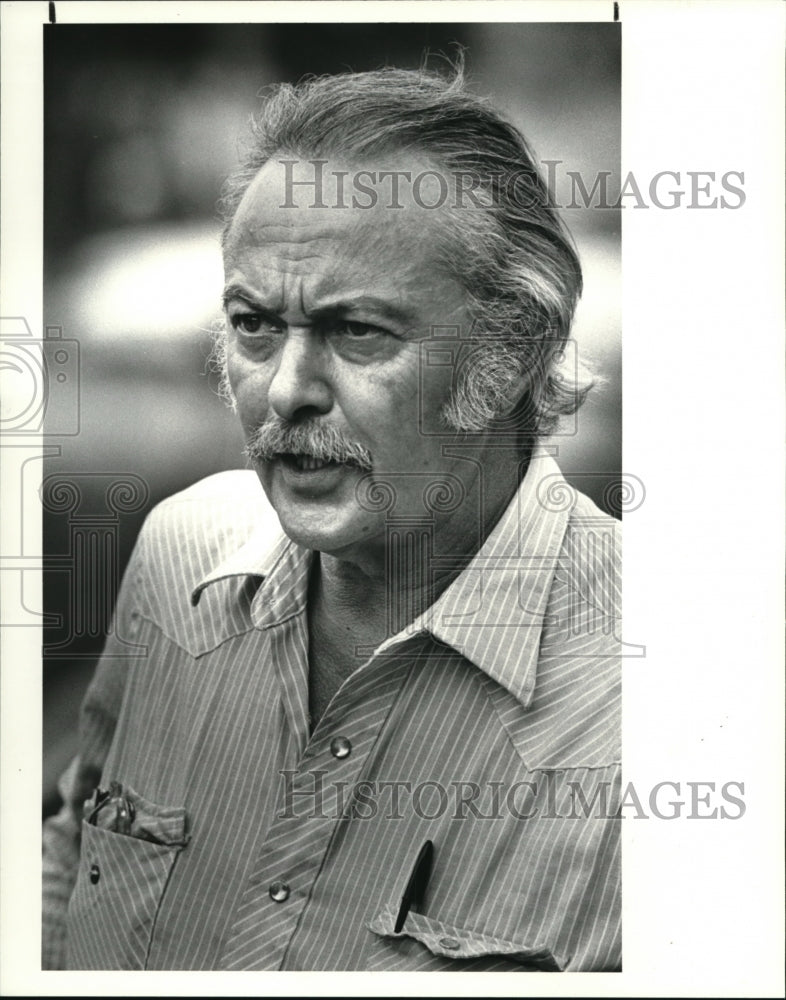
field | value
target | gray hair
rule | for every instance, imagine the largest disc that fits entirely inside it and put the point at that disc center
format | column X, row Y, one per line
column 511, row 253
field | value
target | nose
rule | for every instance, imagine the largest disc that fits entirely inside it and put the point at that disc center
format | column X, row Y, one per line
column 300, row 386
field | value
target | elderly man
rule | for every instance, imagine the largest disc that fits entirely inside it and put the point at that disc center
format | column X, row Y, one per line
column 385, row 737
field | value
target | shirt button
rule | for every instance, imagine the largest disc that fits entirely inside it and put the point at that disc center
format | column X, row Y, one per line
column 449, row 943
column 340, row 747
column 95, row 873
column 279, row 891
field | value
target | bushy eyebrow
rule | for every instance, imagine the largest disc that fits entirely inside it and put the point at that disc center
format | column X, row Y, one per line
column 235, row 291
column 340, row 307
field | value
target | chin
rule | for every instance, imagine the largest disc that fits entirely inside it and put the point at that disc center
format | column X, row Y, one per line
column 329, row 521
column 322, row 533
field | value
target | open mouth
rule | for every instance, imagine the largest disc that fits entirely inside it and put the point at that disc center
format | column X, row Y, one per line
column 305, row 463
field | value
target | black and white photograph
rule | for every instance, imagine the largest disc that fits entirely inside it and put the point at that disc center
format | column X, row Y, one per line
column 318, row 516
column 366, row 617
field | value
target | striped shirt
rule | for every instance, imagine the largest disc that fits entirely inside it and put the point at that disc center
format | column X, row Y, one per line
column 489, row 726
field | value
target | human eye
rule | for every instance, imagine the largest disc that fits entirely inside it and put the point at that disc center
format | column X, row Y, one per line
column 361, row 341
column 356, row 330
column 251, row 322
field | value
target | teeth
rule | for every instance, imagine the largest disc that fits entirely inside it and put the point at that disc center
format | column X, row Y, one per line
column 308, row 463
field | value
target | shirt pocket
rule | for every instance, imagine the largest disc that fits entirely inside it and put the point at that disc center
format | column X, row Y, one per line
column 120, row 884
column 428, row 945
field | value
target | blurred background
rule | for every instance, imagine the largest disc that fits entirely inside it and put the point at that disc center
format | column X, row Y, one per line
column 141, row 125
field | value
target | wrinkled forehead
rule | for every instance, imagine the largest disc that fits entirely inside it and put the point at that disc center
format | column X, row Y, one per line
column 385, row 207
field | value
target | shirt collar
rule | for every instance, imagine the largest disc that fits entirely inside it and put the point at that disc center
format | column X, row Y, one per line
column 492, row 613
column 257, row 556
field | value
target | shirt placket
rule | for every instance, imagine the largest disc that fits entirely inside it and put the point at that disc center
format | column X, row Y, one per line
column 314, row 796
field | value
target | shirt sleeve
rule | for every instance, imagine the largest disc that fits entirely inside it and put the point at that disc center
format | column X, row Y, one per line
column 98, row 718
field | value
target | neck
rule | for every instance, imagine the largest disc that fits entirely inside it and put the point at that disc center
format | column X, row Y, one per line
column 382, row 590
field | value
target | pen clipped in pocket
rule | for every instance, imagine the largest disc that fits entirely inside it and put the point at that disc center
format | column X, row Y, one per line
column 122, row 810
column 129, row 848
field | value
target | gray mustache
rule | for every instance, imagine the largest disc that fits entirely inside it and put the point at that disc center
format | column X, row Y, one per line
column 322, row 441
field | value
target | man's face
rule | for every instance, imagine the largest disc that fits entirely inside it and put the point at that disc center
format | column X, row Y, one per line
column 326, row 309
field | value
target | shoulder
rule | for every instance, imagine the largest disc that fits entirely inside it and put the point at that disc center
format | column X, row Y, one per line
column 188, row 535
column 241, row 484
column 586, row 521
column 578, row 685
column 589, row 564
column 225, row 499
